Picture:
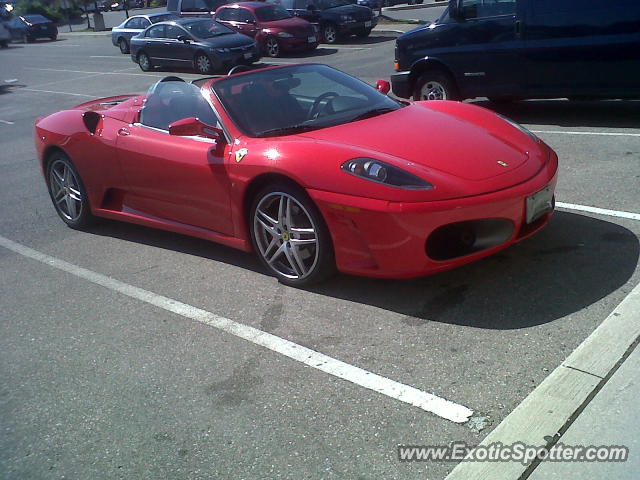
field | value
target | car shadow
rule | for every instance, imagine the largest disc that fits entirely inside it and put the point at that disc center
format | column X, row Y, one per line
column 370, row 40
column 318, row 52
column 571, row 264
column 566, row 113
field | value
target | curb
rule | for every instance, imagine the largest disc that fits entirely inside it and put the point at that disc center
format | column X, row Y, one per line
column 414, row 7
column 85, row 34
column 548, row 412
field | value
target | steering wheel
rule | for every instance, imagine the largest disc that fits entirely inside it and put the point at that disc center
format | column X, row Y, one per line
column 316, row 108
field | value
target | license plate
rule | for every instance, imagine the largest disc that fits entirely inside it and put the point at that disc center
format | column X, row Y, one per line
column 367, row 24
column 248, row 55
column 539, row 203
column 311, row 39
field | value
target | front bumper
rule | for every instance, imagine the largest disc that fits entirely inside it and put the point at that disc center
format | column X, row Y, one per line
column 348, row 28
column 376, row 238
column 401, row 84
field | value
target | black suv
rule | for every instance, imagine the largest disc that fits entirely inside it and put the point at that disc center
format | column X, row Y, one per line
column 336, row 18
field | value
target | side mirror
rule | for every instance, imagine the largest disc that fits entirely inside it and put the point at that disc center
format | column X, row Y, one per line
column 455, row 10
column 192, row 127
column 183, row 38
column 383, row 86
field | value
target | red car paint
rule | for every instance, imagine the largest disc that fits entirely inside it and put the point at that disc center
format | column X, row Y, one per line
column 292, row 34
column 139, row 175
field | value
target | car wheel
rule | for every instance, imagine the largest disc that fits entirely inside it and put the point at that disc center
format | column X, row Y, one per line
column 435, row 85
column 202, row 63
column 145, row 62
column 53, row 38
column 290, row 236
column 271, row 47
column 124, row 46
column 67, row 192
column 329, row 33
column 363, row 33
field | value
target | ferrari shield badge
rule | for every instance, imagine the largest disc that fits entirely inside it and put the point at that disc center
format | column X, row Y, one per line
column 240, row 154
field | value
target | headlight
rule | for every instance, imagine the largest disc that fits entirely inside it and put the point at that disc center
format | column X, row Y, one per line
column 381, row 172
column 284, row 35
column 222, row 50
column 347, row 18
column 524, row 130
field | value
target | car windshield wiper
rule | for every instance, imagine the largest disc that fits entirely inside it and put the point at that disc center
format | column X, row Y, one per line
column 373, row 113
column 287, row 130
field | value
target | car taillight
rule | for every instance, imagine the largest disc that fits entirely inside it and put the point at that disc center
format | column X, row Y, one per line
column 396, row 66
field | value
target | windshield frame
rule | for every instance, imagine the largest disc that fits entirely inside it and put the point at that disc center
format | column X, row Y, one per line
column 336, row 119
column 272, row 7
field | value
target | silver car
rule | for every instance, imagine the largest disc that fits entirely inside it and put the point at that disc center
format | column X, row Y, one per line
column 121, row 35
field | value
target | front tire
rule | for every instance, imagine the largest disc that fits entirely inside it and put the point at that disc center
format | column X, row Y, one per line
column 290, row 236
column 124, row 46
column 272, row 47
column 329, row 33
column 67, row 192
column 202, row 64
column 145, row 62
column 435, row 85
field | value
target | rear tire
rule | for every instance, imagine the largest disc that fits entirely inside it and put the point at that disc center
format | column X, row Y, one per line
column 329, row 33
column 145, row 62
column 202, row 64
column 124, row 46
column 435, row 85
column 67, row 192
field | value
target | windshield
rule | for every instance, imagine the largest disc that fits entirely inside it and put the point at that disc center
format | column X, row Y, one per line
column 299, row 98
column 162, row 18
column 272, row 13
column 324, row 4
column 207, row 29
column 36, row 19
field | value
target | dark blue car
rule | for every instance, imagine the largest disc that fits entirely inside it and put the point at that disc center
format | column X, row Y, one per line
column 199, row 43
column 29, row 28
column 513, row 49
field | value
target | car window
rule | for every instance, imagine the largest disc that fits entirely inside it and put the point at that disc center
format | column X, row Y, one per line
column 159, row 18
column 225, row 14
column 36, row 19
column 487, row 8
column 557, row 6
column 245, row 15
column 173, row 31
column 271, row 13
column 170, row 101
column 325, row 4
column 132, row 23
column 156, row 31
column 144, row 23
column 207, row 29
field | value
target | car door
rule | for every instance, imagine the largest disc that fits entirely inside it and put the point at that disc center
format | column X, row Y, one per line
column 178, row 53
column 180, row 179
column 587, row 50
column 488, row 44
column 306, row 9
column 154, row 43
column 246, row 22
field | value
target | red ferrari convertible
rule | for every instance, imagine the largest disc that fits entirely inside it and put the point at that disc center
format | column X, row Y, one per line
column 307, row 166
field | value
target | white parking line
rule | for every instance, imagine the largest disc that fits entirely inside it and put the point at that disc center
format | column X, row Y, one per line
column 600, row 211
column 119, row 72
column 569, row 132
column 405, row 393
column 6, row 122
column 61, row 93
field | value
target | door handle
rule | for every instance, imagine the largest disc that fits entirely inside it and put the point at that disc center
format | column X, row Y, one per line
column 518, row 27
column 123, row 132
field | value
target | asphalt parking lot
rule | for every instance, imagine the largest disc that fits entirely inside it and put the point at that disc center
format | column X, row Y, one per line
column 99, row 383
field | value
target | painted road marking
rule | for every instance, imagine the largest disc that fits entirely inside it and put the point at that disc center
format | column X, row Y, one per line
column 61, row 93
column 569, row 132
column 600, row 211
column 7, row 122
column 405, row 393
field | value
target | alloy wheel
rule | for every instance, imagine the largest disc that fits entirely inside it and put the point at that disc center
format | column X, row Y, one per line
column 203, row 64
column 272, row 48
column 66, row 191
column 433, row 90
column 286, row 235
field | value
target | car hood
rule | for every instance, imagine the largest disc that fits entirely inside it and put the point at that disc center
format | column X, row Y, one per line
column 348, row 9
column 288, row 24
column 462, row 149
column 227, row 41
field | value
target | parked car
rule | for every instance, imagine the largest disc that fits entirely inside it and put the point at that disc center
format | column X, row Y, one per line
column 195, row 7
column 375, row 5
column 335, row 18
column 5, row 36
column 274, row 29
column 508, row 50
column 307, row 166
column 198, row 43
column 121, row 35
column 29, row 28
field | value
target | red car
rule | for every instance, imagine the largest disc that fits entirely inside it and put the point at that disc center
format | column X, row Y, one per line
column 305, row 165
column 273, row 28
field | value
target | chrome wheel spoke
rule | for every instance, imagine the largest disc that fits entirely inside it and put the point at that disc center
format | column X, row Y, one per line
column 55, row 175
column 71, row 206
column 276, row 254
column 282, row 207
column 297, row 262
